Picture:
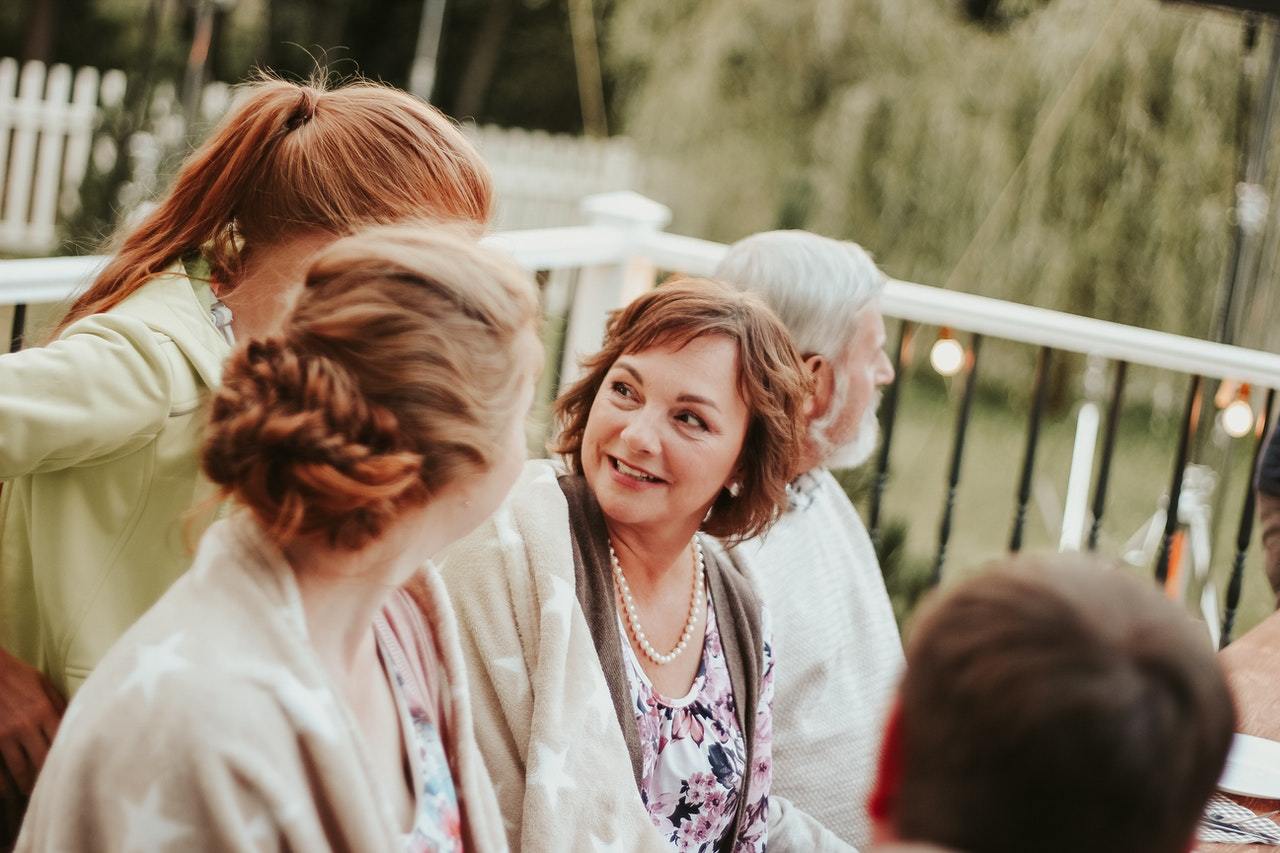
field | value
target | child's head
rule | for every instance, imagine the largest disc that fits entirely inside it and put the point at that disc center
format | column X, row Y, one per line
column 406, row 366
column 293, row 159
column 1054, row 705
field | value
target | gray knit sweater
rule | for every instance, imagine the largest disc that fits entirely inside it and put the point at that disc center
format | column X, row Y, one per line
column 839, row 654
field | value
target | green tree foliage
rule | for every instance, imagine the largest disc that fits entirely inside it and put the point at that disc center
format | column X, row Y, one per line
column 102, row 33
column 510, row 62
column 506, row 62
column 1079, row 155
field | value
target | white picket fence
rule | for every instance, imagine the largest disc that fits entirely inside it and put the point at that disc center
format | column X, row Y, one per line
column 47, row 121
column 540, row 179
column 48, row 118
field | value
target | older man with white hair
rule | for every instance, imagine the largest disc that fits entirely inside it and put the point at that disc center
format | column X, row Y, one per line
column 839, row 651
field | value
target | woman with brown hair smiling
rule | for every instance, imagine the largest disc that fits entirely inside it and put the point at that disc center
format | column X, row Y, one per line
column 621, row 667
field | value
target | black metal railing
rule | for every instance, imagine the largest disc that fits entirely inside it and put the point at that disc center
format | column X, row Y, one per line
column 888, row 413
column 18, row 327
column 1244, row 532
column 970, row 372
column 1033, row 438
column 1108, row 451
column 1189, row 417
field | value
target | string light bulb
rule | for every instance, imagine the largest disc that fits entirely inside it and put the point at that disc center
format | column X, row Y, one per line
column 1237, row 417
column 947, row 354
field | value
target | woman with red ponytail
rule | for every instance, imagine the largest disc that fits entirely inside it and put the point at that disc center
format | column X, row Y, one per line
column 99, row 428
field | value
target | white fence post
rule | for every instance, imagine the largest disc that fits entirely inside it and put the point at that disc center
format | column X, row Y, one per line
column 80, row 126
column 57, row 120
column 1076, row 512
column 22, row 156
column 8, row 82
column 601, row 289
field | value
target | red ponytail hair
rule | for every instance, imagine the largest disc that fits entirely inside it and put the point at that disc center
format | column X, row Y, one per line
column 293, row 158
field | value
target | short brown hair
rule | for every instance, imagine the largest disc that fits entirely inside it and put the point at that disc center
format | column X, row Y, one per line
column 1057, row 704
column 395, row 373
column 771, row 380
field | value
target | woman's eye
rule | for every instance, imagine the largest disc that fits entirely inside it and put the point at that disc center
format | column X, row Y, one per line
column 691, row 419
column 622, row 389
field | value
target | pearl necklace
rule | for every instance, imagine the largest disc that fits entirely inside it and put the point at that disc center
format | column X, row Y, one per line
column 633, row 619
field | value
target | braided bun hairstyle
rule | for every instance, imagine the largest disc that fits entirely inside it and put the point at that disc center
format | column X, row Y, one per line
column 396, row 372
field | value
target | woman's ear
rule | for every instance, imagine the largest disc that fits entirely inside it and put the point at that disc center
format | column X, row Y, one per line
column 823, row 376
column 733, row 485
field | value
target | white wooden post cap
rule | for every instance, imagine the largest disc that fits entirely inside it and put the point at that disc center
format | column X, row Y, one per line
column 626, row 209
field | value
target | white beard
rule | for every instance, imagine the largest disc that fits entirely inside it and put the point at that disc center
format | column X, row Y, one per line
column 858, row 449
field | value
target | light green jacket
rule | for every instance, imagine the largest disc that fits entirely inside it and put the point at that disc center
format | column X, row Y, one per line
column 99, row 436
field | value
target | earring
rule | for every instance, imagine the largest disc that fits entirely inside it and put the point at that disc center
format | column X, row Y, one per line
column 735, row 489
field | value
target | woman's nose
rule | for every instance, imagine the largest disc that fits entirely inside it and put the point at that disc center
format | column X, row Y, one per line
column 640, row 434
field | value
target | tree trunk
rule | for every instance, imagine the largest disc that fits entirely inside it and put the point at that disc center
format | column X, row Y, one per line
column 586, row 54
column 484, row 59
column 426, row 54
column 37, row 36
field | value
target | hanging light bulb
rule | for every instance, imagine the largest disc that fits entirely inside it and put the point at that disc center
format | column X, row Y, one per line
column 1237, row 417
column 947, row 354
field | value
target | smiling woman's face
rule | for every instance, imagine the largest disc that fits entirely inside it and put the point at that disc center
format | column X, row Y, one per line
column 665, row 432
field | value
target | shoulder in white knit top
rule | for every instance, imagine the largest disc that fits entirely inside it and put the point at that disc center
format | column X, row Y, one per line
column 838, row 650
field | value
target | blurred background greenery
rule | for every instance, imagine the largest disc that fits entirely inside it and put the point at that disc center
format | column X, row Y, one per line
column 1074, row 154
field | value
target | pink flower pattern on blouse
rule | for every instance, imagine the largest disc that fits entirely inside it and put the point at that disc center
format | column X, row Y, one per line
column 694, row 752
column 437, row 820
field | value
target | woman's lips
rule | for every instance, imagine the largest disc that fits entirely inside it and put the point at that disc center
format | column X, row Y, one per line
column 631, row 475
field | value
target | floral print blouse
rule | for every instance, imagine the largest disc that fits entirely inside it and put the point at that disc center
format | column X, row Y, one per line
column 694, row 751
column 437, row 821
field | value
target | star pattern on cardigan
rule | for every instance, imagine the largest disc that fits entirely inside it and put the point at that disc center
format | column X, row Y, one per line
column 614, row 846
column 146, row 828
column 600, row 704
column 153, row 663
column 548, row 772
column 561, row 600
column 311, row 708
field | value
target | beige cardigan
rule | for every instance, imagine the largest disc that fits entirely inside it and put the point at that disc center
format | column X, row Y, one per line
column 212, row 725
column 544, row 716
